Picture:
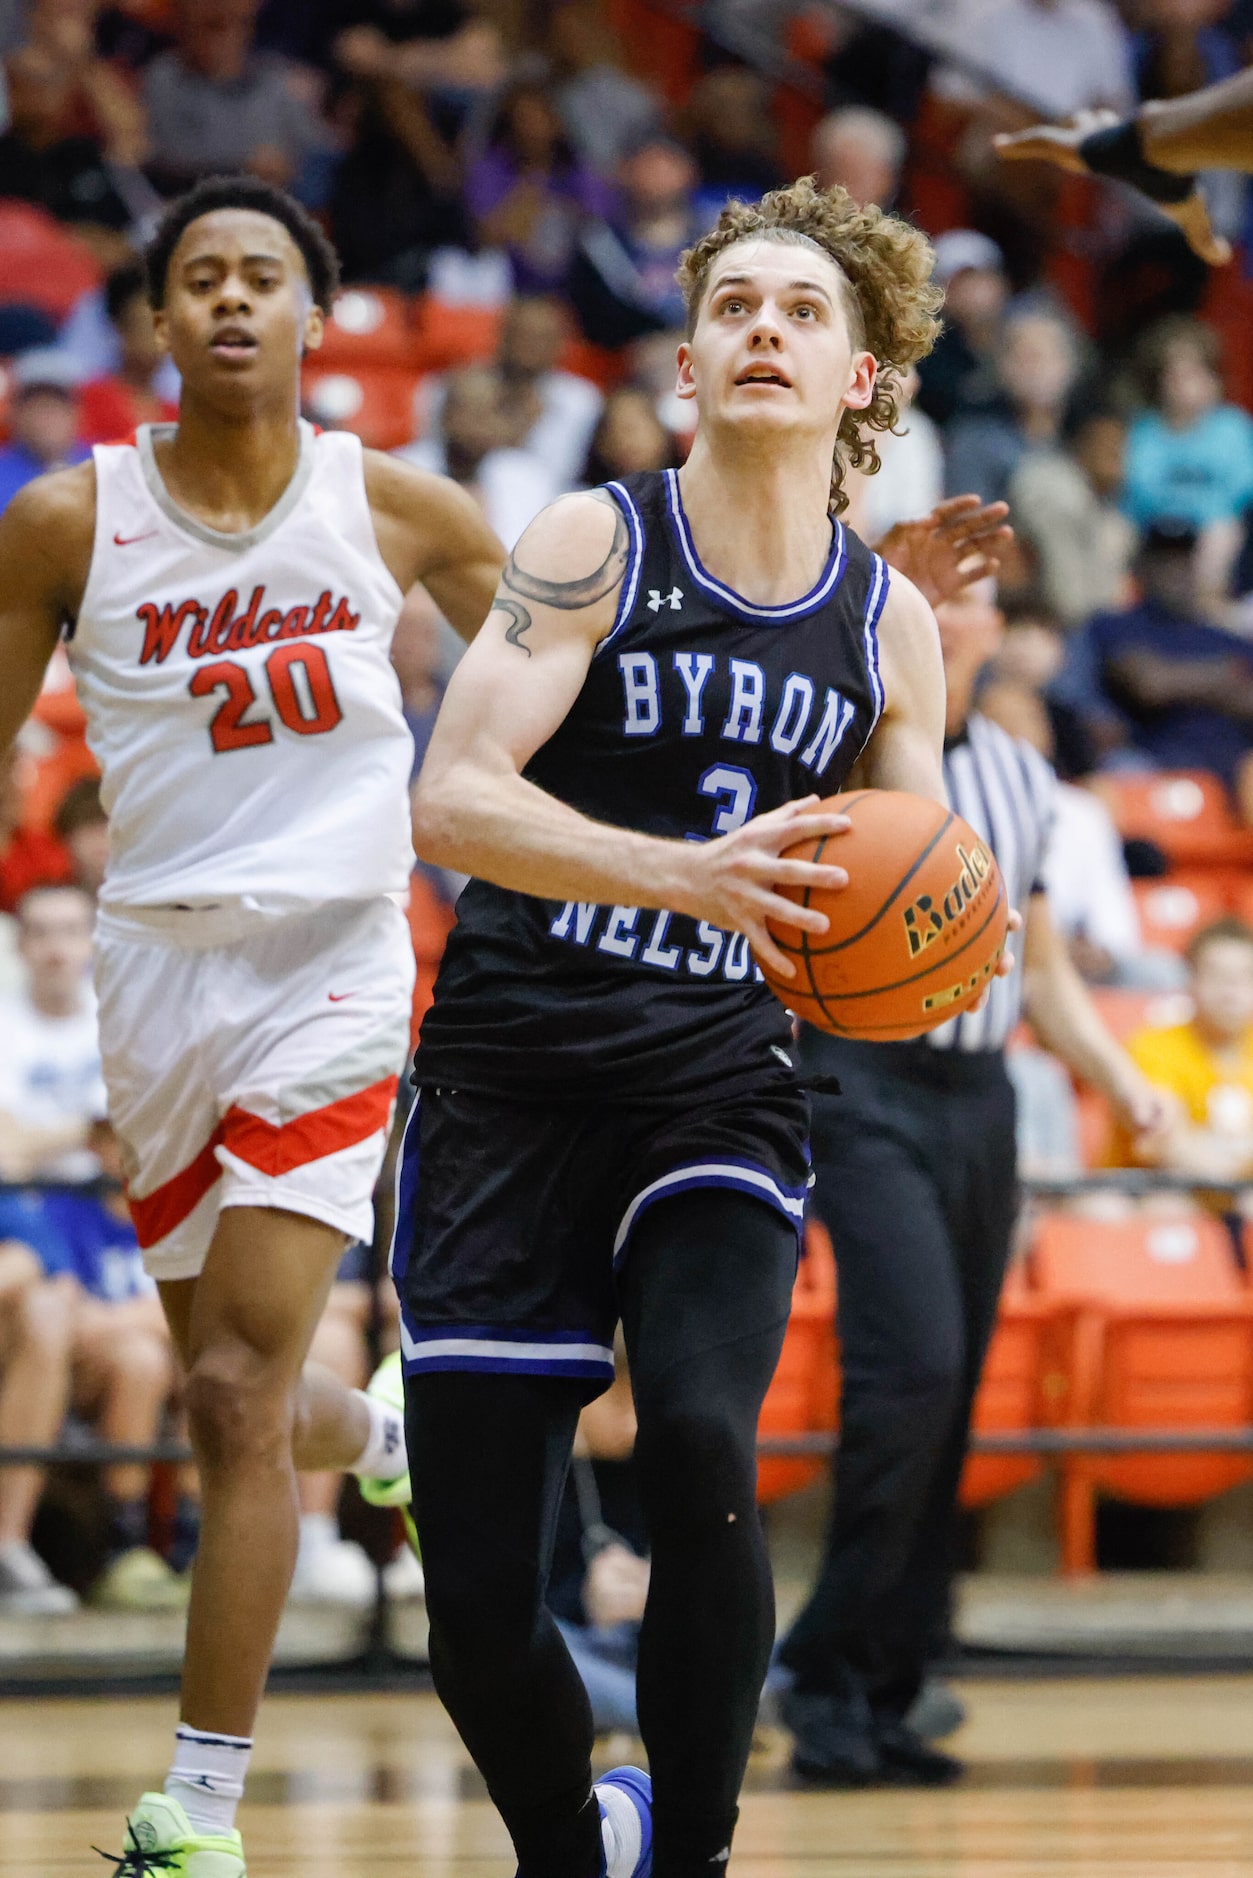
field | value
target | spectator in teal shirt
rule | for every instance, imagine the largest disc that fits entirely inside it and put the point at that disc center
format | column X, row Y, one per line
column 1189, row 457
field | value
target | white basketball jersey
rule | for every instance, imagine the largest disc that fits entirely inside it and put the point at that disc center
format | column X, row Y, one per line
column 239, row 695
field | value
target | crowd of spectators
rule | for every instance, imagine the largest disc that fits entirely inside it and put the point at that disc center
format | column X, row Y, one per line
column 556, row 168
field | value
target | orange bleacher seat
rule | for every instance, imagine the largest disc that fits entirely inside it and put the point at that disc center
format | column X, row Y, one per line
column 449, row 334
column 1009, row 1396
column 1186, row 812
column 1096, row 1126
column 375, row 401
column 596, row 363
column 370, row 326
column 1160, row 1335
column 40, row 263
column 1173, row 908
column 804, row 1397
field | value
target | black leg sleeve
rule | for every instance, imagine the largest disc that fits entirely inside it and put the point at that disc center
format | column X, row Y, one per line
column 488, row 1456
column 705, row 1291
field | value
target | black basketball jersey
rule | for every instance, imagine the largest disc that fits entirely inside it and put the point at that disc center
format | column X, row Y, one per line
column 699, row 710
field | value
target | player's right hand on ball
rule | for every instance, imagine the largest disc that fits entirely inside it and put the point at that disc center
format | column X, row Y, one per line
column 735, row 877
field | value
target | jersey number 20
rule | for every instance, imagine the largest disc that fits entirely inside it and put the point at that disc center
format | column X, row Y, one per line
column 308, row 705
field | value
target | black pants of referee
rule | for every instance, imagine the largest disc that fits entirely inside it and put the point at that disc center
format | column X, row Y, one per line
column 916, row 1183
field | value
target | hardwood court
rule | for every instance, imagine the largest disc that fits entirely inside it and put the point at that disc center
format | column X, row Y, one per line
column 1136, row 1778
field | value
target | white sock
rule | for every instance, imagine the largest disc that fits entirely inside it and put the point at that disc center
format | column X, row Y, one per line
column 207, row 1777
column 383, row 1457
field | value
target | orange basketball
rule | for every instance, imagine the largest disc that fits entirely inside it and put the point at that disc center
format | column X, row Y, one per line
column 914, row 937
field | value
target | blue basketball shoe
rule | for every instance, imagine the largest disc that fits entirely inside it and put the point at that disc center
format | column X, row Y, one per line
column 625, row 1796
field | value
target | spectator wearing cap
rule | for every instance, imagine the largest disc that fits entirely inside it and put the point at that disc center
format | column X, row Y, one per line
column 215, row 103
column 1037, row 367
column 1158, row 686
column 112, row 406
column 43, row 420
column 862, row 151
column 959, row 376
column 622, row 285
column 1190, row 454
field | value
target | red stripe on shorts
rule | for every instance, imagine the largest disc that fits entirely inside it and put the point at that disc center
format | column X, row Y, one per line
column 322, row 1131
column 159, row 1212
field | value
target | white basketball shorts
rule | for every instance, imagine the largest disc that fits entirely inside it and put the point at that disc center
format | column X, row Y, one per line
column 257, row 1070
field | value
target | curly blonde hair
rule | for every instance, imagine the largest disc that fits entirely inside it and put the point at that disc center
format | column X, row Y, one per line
column 890, row 299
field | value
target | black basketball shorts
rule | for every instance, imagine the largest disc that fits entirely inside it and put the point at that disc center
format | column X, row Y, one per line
column 513, row 1215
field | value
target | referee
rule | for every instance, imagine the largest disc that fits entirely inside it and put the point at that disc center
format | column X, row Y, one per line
column 915, row 1179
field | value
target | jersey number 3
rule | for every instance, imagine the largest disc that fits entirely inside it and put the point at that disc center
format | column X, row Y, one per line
column 300, row 685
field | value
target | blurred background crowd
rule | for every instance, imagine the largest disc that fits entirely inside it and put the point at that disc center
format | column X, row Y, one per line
column 510, row 184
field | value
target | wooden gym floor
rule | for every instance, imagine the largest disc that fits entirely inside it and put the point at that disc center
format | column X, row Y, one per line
column 1143, row 1777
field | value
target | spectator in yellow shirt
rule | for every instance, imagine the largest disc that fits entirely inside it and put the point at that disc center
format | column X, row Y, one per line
column 1206, row 1064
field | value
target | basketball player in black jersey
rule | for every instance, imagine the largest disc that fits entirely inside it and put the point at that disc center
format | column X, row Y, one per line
column 676, row 669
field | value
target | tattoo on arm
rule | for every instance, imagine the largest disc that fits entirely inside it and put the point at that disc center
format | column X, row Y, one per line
column 570, row 595
column 519, row 622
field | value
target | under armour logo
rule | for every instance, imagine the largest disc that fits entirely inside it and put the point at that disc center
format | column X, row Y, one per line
column 673, row 599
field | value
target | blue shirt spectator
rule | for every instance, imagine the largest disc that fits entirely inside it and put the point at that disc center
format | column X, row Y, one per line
column 80, row 1235
column 43, row 420
column 1202, row 473
column 1190, row 456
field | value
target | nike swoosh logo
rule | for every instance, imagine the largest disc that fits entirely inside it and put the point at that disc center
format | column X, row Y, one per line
column 337, row 997
column 126, row 541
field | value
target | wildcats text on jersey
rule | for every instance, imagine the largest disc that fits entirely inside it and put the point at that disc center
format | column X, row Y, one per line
column 225, row 630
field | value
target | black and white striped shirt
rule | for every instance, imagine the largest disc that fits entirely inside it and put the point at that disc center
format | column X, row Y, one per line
column 1007, row 792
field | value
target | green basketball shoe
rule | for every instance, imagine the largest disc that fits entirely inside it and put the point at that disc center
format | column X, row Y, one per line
column 388, row 1384
column 161, row 1839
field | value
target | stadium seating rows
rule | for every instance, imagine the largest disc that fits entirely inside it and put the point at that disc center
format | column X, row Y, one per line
column 1140, row 1323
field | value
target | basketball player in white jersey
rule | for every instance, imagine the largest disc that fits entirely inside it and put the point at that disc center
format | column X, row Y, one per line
column 229, row 587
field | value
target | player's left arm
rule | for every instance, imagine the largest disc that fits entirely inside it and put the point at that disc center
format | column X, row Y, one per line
column 429, row 529
column 1061, row 1012
column 906, row 750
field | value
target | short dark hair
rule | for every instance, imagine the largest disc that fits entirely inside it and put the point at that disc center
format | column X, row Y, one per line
column 121, row 286
column 1229, row 927
column 242, row 192
column 79, row 807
